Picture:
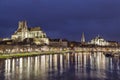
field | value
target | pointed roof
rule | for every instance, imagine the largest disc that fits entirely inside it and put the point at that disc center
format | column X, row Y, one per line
column 83, row 38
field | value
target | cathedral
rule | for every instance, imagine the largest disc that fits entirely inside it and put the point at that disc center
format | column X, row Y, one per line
column 35, row 33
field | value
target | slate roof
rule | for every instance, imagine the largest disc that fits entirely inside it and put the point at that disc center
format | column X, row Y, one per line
column 35, row 29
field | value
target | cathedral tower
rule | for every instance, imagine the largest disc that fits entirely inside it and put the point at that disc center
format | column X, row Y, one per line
column 22, row 27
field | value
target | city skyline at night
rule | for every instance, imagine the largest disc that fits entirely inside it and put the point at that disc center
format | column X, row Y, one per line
column 59, row 39
column 8, row 36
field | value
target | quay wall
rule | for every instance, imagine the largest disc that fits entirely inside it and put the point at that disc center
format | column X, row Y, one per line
column 33, row 48
column 100, row 49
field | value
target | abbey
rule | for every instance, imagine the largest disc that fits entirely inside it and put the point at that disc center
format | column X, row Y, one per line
column 35, row 33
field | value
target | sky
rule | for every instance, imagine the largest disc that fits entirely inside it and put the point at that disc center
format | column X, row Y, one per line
column 63, row 18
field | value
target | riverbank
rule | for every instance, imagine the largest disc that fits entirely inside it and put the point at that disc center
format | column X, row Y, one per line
column 27, row 54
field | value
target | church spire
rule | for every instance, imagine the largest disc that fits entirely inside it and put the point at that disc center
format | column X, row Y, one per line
column 83, row 38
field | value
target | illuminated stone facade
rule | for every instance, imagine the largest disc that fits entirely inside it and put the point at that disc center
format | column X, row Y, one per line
column 23, row 32
column 58, row 43
column 99, row 41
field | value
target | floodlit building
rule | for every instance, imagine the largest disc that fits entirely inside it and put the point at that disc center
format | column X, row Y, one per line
column 5, row 39
column 35, row 33
column 113, row 43
column 99, row 41
column 58, row 42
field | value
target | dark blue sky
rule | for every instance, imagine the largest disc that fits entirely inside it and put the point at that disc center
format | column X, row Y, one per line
column 63, row 18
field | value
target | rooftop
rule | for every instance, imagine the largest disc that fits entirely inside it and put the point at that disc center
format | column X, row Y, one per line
column 34, row 29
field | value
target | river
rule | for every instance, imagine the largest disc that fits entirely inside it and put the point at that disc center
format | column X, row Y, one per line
column 68, row 66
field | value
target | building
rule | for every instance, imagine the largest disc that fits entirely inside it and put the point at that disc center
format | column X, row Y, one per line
column 74, row 44
column 5, row 39
column 58, row 42
column 99, row 41
column 113, row 43
column 36, row 33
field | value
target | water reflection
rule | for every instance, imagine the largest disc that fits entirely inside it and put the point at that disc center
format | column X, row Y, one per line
column 69, row 66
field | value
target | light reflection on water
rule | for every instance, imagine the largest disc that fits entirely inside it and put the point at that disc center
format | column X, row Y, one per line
column 75, row 66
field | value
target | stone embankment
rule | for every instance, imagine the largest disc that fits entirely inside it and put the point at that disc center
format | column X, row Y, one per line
column 10, row 51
